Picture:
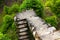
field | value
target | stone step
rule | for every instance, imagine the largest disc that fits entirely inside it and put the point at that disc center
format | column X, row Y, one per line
column 18, row 31
column 22, row 26
column 23, row 37
column 24, row 29
column 22, row 22
column 23, row 33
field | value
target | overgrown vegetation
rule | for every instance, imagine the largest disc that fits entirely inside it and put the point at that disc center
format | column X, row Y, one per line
column 8, row 27
column 54, row 6
column 52, row 20
column 33, row 4
column 11, row 10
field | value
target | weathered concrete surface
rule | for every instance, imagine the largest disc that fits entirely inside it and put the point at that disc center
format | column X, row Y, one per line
column 26, row 14
column 38, row 25
column 23, row 30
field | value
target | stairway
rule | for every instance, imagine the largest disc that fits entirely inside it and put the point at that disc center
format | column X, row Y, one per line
column 27, row 21
column 23, row 30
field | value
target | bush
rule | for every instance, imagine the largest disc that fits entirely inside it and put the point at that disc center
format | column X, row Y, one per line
column 1, row 35
column 5, row 10
column 25, row 5
column 48, row 3
column 55, row 7
column 52, row 20
column 13, row 9
column 32, row 4
column 10, row 10
column 7, row 22
column 4, row 37
column 38, row 7
column 8, row 28
column 7, row 19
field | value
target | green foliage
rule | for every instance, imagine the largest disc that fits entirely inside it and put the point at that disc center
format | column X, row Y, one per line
column 55, row 6
column 13, row 9
column 52, row 20
column 38, row 7
column 6, row 8
column 32, row 4
column 48, row 3
column 3, row 37
column 13, row 26
column 10, row 10
column 26, row 5
column 7, row 19
column 7, row 22
column 8, row 28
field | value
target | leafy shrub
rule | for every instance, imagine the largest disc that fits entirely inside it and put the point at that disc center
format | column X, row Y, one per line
column 5, row 10
column 13, row 27
column 32, row 4
column 38, row 7
column 1, row 35
column 52, row 20
column 7, row 19
column 55, row 6
column 7, row 22
column 48, row 3
column 10, row 10
column 25, row 5
column 4, row 37
column 8, row 26
column 13, row 9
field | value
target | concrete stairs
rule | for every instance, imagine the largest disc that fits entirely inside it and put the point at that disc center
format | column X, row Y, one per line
column 23, row 30
column 26, row 23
